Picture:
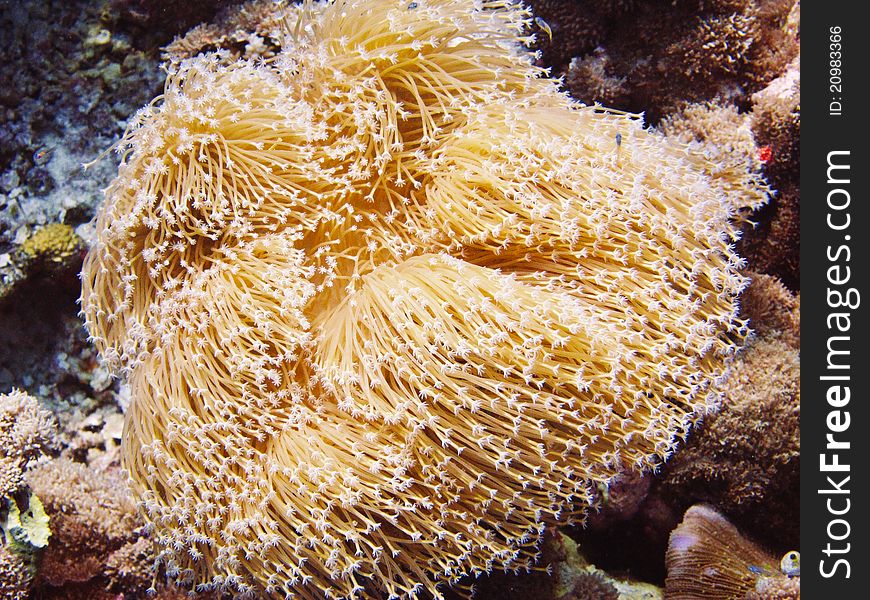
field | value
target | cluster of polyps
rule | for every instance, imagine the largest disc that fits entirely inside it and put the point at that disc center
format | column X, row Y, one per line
column 390, row 303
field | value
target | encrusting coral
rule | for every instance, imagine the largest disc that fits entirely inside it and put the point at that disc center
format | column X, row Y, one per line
column 55, row 242
column 776, row 588
column 390, row 303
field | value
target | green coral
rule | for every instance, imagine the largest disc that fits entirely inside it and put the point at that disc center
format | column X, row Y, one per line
column 22, row 534
column 27, row 530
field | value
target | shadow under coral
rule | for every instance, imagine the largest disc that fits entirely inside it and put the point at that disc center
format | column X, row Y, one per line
column 35, row 324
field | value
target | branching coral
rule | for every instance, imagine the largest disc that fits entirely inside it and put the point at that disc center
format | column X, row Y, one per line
column 26, row 432
column 91, row 517
column 390, row 303
column 15, row 576
column 251, row 30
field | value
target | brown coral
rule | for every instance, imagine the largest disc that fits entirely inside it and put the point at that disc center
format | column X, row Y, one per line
column 91, row 517
column 765, row 141
column 776, row 124
column 719, row 129
column 572, row 29
column 26, row 432
column 716, row 47
column 15, row 575
column 671, row 54
column 734, row 459
column 594, row 75
column 708, row 559
column 390, row 303
column 773, row 246
column 591, row 586
column 129, row 568
column 772, row 310
column 251, row 29
column 724, row 136
column 98, row 549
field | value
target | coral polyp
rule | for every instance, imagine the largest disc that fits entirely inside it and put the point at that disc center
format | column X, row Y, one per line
column 390, row 303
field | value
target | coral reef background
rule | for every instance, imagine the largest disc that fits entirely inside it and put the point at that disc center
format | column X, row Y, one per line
column 73, row 72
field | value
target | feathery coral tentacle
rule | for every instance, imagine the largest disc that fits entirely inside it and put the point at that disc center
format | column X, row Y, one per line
column 389, row 303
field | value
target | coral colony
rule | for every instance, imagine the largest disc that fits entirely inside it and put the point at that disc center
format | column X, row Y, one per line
column 390, row 303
